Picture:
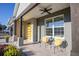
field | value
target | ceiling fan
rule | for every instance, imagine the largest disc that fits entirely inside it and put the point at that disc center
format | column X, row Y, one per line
column 45, row 10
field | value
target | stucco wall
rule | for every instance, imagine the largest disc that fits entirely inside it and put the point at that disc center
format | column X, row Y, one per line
column 75, row 28
column 18, row 27
column 25, row 30
column 23, row 24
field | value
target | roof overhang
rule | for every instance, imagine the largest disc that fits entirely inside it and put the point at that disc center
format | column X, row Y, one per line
column 18, row 13
column 26, row 10
column 36, row 13
column 32, row 10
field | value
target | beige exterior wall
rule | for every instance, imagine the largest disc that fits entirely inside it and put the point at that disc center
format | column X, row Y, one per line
column 75, row 28
column 25, row 30
column 18, row 27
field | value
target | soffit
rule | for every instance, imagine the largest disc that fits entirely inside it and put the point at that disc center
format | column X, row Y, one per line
column 35, row 12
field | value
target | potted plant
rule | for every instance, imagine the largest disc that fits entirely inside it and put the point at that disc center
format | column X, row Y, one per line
column 7, row 38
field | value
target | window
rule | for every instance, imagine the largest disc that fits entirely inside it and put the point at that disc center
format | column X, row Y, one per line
column 49, row 23
column 59, row 31
column 49, row 29
column 59, row 26
column 55, row 26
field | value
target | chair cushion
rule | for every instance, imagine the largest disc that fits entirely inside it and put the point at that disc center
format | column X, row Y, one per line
column 44, row 39
column 58, row 41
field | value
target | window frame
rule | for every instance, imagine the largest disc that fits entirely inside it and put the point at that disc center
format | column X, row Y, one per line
column 53, row 36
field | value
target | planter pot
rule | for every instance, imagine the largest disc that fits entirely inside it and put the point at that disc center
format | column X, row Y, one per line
column 7, row 40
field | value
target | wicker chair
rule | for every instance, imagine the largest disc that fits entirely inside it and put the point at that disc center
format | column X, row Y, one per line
column 47, row 41
column 44, row 40
column 57, row 43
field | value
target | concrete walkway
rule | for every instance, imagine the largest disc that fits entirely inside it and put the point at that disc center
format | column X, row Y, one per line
column 41, row 50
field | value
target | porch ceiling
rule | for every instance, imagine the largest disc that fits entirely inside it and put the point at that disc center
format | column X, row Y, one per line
column 35, row 13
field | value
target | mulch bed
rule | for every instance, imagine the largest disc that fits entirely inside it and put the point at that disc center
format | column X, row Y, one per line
column 2, row 49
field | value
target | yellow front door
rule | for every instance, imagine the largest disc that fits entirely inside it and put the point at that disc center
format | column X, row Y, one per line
column 29, row 32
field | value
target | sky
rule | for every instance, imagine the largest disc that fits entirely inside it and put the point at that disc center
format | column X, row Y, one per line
column 6, row 11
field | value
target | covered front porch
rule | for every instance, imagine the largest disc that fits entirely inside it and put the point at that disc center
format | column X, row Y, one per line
column 33, row 26
column 37, row 23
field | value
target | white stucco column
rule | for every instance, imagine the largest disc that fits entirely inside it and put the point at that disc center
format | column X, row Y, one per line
column 68, row 37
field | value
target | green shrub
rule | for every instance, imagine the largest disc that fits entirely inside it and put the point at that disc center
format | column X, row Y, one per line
column 11, row 51
column 6, row 37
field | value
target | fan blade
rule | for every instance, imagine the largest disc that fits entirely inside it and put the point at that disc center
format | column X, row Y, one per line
column 48, row 12
column 49, row 9
column 41, row 10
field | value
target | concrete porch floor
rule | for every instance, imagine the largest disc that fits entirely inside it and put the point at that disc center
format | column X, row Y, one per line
column 41, row 50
